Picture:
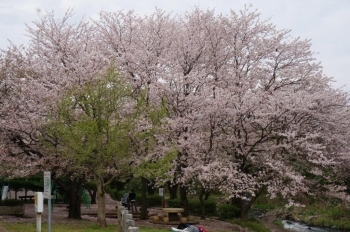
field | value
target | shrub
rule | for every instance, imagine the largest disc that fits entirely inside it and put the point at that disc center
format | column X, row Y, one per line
column 11, row 202
column 115, row 194
column 174, row 203
column 195, row 207
column 264, row 206
column 227, row 211
column 154, row 200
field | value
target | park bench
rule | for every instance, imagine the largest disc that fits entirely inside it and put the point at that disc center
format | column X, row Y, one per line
column 30, row 197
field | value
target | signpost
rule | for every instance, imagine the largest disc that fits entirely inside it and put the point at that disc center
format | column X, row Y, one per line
column 47, row 195
column 161, row 193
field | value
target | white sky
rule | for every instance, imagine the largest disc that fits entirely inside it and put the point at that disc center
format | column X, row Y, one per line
column 325, row 22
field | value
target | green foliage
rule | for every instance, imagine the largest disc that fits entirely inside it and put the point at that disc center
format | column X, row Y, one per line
column 174, row 203
column 319, row 210
column 11, row 202
column 264, row 207
column 264, row 202
column 134, row 183
column 278, row 222
column 152, row 200
column 323, row 212
column 251, row 224
column 194, row 206
column 227, row 211
column 33, row 183
column 115, row 194
column 157, row 168
column 91, row 122
column 77, row 226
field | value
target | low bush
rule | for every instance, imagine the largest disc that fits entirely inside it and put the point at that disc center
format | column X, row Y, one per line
column 11, row 202
column 152, row 200
column 115, row 194
column 227, row 211
column 194, row 206
column 174, row 203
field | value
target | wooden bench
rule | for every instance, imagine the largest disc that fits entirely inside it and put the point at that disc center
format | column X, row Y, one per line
column 173, row 213
column 30, row 197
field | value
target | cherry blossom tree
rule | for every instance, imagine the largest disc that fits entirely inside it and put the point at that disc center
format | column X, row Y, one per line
column 247, row 105
column 59, row 55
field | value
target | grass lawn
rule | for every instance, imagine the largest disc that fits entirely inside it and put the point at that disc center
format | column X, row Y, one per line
column 76, row 227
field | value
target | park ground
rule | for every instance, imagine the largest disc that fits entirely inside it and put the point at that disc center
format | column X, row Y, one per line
column 60, row 213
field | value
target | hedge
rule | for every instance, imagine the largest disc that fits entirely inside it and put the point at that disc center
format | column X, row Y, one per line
column 11, row 202
column 227, row 211
column 194, row 206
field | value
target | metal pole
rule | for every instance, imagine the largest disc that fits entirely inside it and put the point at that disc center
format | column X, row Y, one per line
column 47, row 194
column 2, row 188
column 49, row 213
column 38, row 222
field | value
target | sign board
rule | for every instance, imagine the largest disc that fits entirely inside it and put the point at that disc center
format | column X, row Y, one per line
column 47, row 185
column 5, row 190
column 161, row 191
column 38, row 202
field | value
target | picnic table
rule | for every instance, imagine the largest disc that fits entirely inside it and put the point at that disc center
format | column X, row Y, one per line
column 173, row 213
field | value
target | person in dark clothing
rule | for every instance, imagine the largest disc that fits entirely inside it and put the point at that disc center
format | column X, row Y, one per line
column 132, row 199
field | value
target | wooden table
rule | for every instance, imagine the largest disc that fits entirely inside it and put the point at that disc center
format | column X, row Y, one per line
column 173, row 213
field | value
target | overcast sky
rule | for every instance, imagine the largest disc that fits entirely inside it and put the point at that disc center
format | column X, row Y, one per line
column 325, row 22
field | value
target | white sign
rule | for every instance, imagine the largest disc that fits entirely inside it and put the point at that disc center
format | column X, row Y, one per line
column 4, row 192
column 38, row 202
column 161, row 191
column 47, row 185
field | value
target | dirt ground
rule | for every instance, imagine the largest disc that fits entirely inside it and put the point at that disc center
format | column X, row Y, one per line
column 60, row 213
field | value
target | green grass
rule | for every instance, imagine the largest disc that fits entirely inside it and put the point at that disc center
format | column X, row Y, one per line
column 318, row 211
column 251, row 224
column 278, row 222
column 74, row 227
column 77, row 226
column 324, row 214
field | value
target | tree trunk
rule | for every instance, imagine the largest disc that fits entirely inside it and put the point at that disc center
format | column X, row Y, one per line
column 101, row 205
column 201, row 194
column 184, row 201
column 75, row 190
column 246, row 204
column 144, row 214
column 172, row 190
column 243, row 214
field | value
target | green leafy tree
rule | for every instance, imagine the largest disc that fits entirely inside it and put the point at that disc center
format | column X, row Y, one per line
column 95, row 126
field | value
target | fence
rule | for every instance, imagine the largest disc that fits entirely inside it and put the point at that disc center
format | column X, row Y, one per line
column 125, row 221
